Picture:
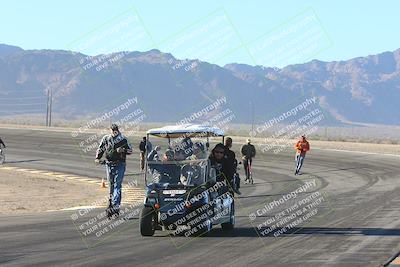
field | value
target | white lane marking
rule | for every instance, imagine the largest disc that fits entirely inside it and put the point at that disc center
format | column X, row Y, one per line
column 357, row 152
column 84, row 207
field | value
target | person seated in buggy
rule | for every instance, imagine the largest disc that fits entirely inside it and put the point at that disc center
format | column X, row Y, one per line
column 153, row 157
column 169, row 171
column 199, row 151
column 186, row 146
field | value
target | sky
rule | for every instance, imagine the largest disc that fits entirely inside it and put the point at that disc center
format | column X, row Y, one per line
column 269, row 33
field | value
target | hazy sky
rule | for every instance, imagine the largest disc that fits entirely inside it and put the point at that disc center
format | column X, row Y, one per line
column 272, row 33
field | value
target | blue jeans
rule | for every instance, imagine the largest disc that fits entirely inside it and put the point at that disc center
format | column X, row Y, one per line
column 299, row 161
column 115, row 175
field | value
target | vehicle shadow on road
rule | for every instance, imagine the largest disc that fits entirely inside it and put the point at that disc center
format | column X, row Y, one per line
column 254, row 232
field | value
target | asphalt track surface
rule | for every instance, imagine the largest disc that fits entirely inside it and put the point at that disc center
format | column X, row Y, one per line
column 356, row 224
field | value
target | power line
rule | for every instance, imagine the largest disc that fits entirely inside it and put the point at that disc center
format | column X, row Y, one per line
column 23, row 98
column 22, row 104
column 13, row 92
column 18, row 111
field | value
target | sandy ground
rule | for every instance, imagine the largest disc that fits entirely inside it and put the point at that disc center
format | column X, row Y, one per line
column 28, row 193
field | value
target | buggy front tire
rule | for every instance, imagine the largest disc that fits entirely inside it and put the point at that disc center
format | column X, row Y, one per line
column 147, row 223
column 229, row 226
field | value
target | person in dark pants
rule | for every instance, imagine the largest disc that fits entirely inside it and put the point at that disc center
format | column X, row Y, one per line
column 143, row 147
column 301, row 147
column 231, row 165
column 2, row 143
column 115, row 146
column 248, row 153
column 2, row 158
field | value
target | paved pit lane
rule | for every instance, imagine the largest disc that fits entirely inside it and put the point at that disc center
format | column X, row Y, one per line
column 344, row 210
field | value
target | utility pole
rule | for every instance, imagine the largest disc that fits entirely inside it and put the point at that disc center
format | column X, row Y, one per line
column 47, row 108
column 50, row 106
column 252, row 117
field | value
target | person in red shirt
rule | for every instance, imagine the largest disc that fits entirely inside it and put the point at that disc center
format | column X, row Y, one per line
column 302, row 146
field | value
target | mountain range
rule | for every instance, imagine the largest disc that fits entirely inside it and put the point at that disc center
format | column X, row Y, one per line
column 362, row 90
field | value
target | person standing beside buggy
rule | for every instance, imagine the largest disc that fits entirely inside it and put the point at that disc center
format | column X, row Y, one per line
column 143, row 147
column 248, row 153
column 115, row 146
column 231, row 166
column 224, row 173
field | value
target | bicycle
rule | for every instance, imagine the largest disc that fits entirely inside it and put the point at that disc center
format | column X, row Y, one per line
column 249, row 179
column 236, row 180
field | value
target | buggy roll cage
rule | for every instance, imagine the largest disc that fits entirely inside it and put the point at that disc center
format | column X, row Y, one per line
column 182, row 131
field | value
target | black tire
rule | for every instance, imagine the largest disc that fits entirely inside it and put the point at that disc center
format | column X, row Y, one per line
column 229, row 226
column 147, row 221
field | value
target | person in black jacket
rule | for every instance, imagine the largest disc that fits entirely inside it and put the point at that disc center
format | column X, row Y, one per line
column 143, row 147
column 248, row 153
column 217, row 159
column 230, row 165
column 220, row 163
column 115, row 147
column 2, row 143
column 1, row 152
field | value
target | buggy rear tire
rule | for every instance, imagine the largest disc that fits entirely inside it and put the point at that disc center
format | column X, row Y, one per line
column 147, row 227
column 229, row 226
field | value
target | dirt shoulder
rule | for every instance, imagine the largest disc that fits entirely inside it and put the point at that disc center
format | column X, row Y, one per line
column 28, row 193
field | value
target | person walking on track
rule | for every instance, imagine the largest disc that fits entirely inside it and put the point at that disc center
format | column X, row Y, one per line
column 231, row 166
column 301, row 147
column 143, row 147
column 248, row 153
column 115, row 146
